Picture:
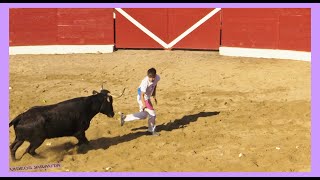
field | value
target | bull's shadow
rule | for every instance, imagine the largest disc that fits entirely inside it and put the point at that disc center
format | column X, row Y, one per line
column 106, row 142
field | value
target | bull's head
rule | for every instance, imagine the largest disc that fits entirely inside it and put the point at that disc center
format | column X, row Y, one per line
column 107, row 104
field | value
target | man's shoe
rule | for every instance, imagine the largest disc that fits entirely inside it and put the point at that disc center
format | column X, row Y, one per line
column 122, row 117
column 153, row 133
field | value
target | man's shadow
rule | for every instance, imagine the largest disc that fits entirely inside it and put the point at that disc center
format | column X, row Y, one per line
column 180, row 123
column 106, row 142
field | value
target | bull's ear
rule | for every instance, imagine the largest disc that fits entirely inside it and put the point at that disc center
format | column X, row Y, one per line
column 94, row 92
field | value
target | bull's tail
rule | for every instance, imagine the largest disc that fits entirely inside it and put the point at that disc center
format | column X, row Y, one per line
column 14, row 121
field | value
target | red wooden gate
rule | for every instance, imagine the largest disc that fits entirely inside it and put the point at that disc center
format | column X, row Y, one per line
column 166, row 28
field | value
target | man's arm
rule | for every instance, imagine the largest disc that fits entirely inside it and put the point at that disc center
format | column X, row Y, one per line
column 154, row 91
column 154, row 95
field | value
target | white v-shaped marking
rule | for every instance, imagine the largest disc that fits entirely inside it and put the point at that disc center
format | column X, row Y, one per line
column 175, row 41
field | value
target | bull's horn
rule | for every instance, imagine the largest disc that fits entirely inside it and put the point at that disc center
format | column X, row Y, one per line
column 102, row 84
column 118, row 95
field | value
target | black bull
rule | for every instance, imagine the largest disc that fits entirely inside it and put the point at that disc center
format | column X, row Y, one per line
column 68, row 118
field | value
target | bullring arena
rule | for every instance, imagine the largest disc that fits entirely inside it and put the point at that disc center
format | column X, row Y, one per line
column 215, row 113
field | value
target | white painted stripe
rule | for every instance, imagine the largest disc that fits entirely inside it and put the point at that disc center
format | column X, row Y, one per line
column 196, row 25
column 114, row 15
column 60, row 49
column 265, row 53
column 140, row 26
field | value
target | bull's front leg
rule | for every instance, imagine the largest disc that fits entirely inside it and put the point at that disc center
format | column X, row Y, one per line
column 81, row 136
column 80, row 133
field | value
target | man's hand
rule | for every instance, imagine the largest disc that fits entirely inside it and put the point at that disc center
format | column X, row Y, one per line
column 155, row 100
column 144, row 106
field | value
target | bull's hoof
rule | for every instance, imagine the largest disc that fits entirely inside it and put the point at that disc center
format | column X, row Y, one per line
column 82, row 143
column 82, row 149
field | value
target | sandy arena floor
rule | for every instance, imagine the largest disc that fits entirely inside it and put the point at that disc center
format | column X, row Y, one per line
column 214, row 113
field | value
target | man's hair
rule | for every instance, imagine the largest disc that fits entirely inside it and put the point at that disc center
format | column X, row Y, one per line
column 152, row 72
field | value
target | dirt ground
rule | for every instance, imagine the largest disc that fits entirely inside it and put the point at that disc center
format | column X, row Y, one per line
column 214, row 113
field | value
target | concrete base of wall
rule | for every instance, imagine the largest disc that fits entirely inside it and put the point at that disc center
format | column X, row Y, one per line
column 60, row 49
column 265, row 53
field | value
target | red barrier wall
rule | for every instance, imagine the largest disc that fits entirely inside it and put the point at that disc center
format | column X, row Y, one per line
column 38, row 26
column 269, row 28
column 32, row 26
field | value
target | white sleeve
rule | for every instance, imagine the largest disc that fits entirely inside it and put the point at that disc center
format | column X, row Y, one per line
column 143, row 86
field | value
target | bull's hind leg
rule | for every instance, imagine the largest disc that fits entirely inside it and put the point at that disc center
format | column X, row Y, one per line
column 27, row 151
column 11, row 149
column 14, row 146
column 34, row 144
